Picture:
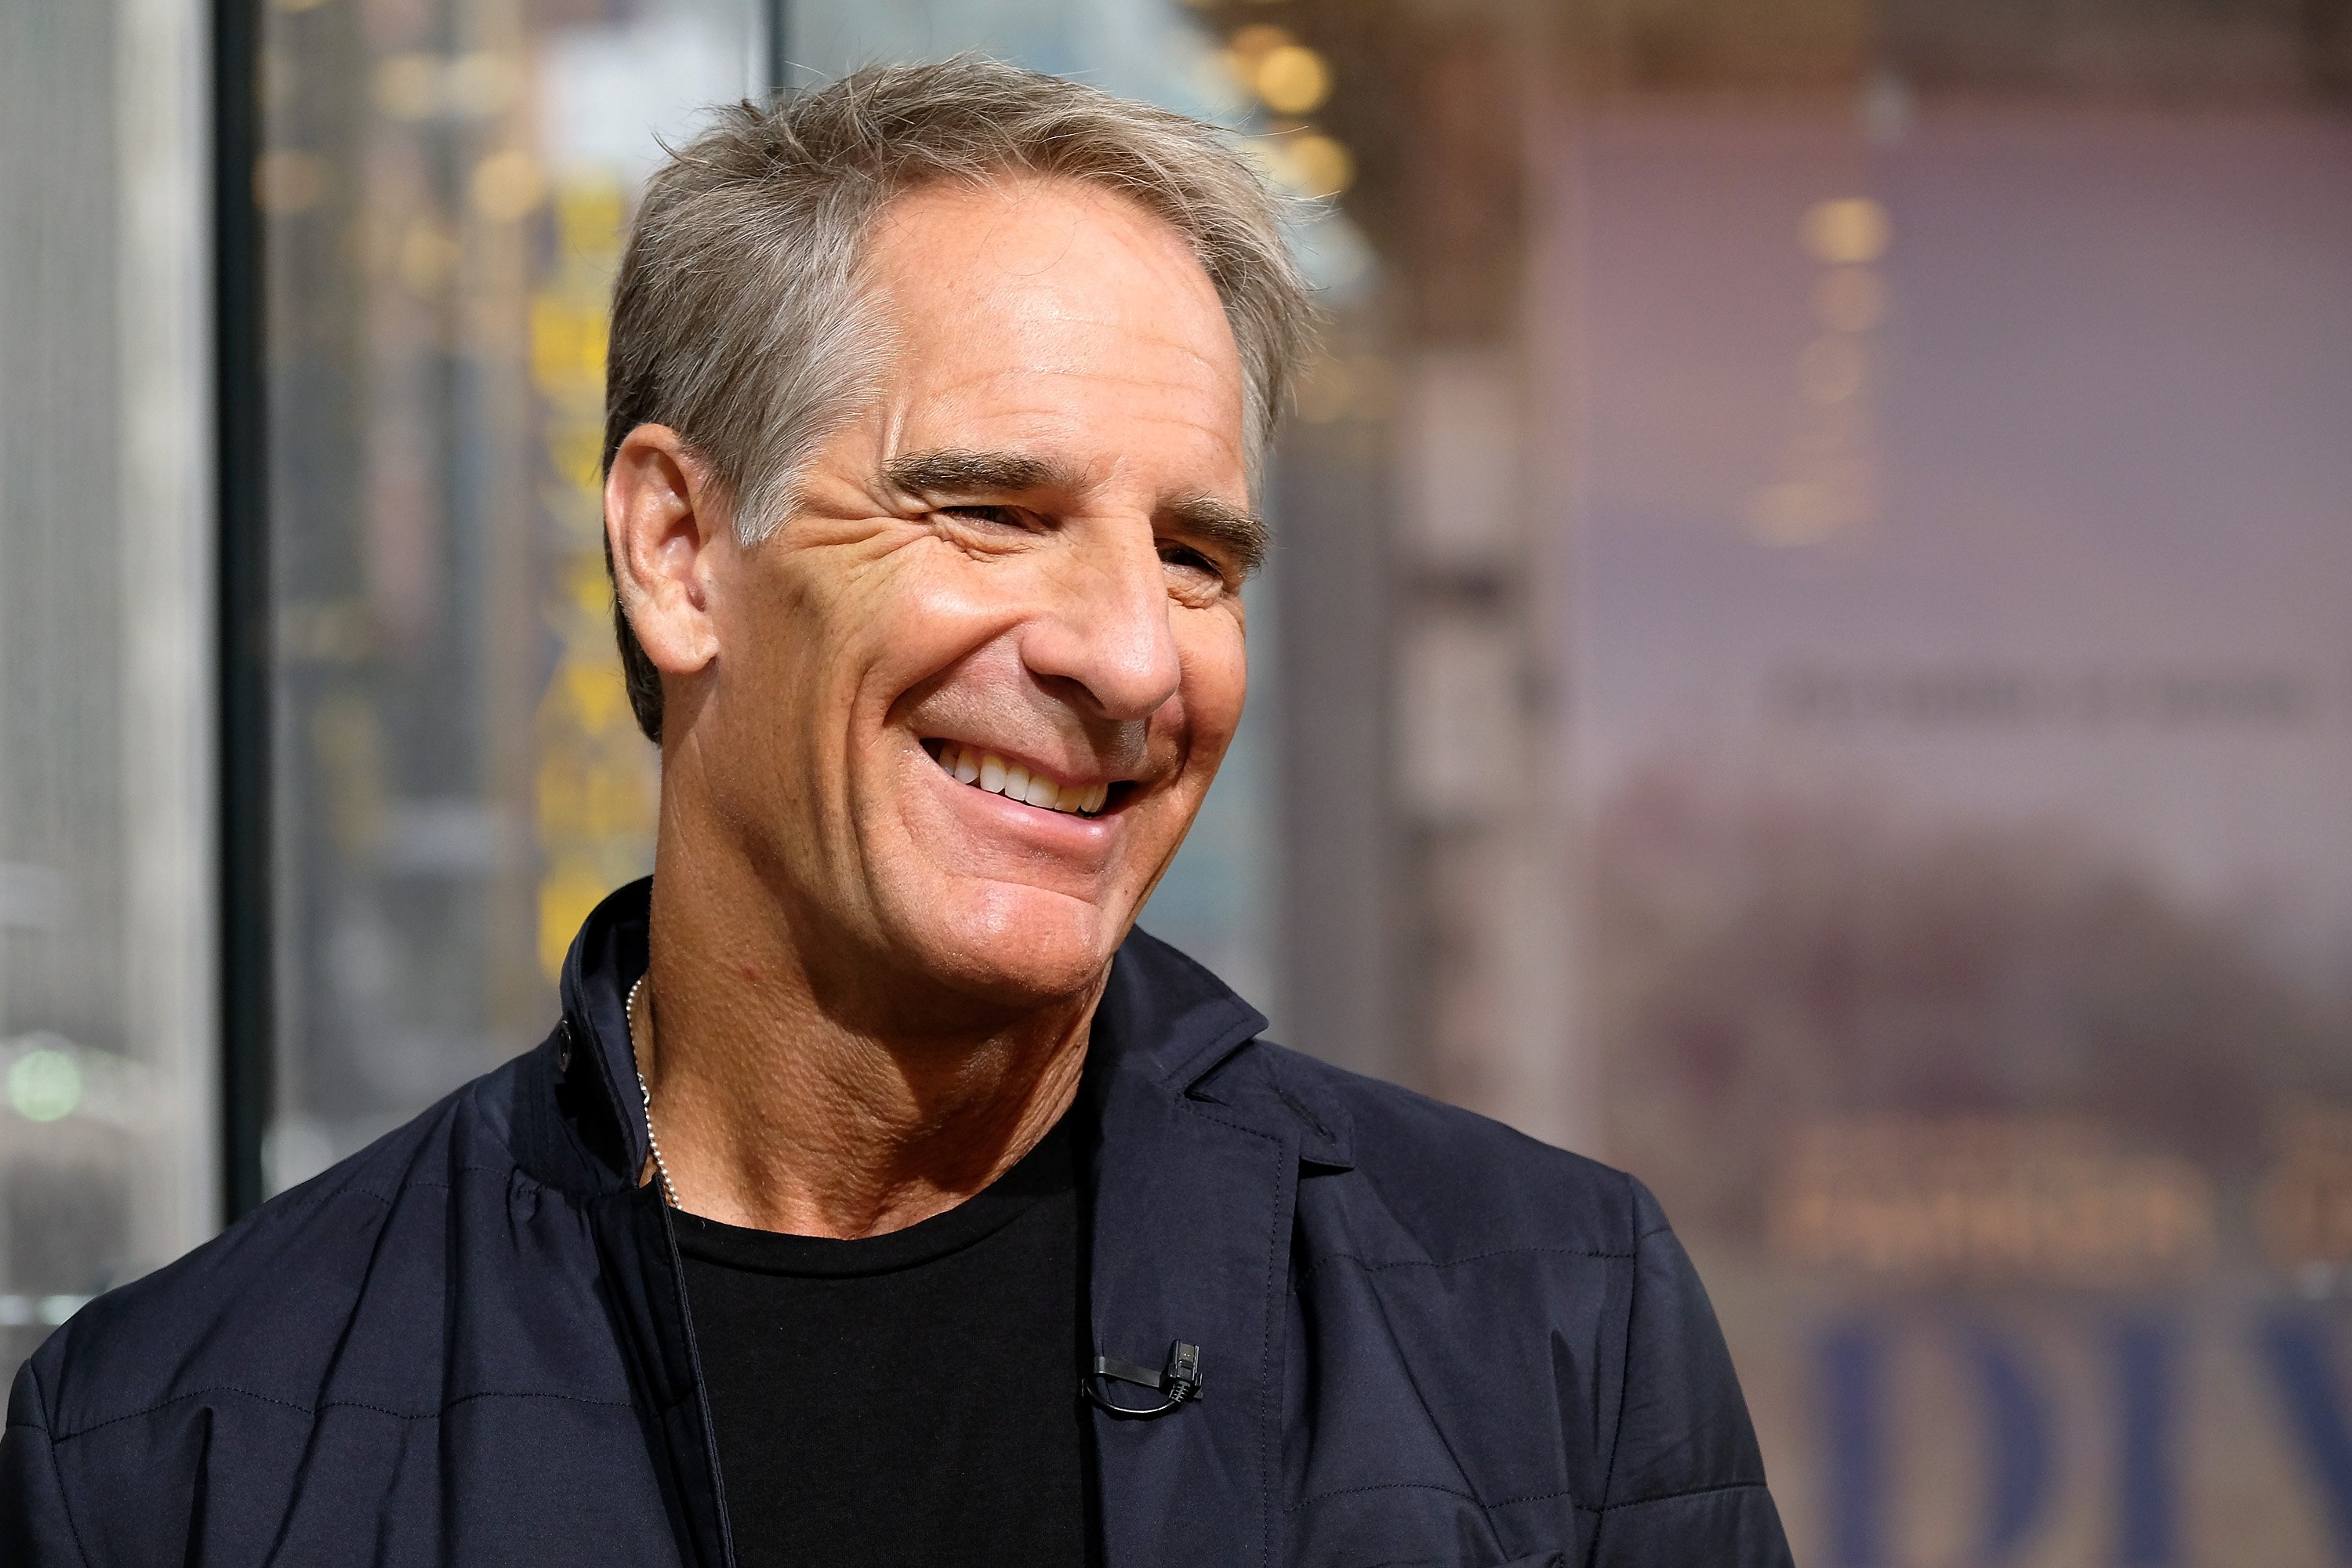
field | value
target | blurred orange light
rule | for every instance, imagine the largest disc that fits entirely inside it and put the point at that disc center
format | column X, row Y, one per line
column 1847, row 231
column 1254, row 42
column 506, row 185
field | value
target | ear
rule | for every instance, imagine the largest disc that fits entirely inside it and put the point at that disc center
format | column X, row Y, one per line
column 667, row 524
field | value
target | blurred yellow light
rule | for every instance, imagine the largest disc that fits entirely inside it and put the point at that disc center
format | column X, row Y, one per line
column 1847, row 231
column 1318, row 166
column 1292, row 79
column 299, row 5
column 506, row 185
column 1850, row 300
column 588, row 217
column 288, row 181
column 568, row 343
column 566, row 894
column 408, row 85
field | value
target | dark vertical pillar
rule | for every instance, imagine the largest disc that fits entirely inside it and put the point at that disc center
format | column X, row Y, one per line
column 2020, row 1443
column 246, row 1035
column 2295, row 1351
column 2146, row 1492
column 780, row 46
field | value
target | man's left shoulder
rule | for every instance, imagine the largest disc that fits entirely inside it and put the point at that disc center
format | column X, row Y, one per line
column 1451, row 1178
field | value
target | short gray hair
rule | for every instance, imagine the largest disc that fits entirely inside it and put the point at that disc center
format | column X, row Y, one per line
column 739, row 320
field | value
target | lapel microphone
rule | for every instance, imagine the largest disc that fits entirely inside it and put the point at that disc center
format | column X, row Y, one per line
column 1179, row 1381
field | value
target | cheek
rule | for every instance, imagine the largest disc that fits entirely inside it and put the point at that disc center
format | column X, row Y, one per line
column 1217, row 681
column 828, row 634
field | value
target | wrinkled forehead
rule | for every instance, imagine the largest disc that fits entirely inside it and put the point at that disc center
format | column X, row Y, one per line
column 1051, row 302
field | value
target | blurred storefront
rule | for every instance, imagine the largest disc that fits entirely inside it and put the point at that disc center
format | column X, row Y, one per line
column 108, row 1126
column 1809, row 656
column 457, row 775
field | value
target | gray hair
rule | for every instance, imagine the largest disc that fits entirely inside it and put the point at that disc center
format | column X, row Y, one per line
column 739, row 318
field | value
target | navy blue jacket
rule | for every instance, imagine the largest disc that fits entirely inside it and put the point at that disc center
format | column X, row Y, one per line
column 1424, row 1338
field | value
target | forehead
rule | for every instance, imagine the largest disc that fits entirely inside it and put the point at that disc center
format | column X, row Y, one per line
column 1041, row 302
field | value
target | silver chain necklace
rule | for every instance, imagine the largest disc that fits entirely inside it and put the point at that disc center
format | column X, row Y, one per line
column 661, row 1167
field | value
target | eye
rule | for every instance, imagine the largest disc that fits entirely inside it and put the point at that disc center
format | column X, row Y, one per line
column 993, row 516
column 1190, row 560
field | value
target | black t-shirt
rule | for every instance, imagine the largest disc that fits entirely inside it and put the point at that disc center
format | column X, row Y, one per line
column 902, row 1399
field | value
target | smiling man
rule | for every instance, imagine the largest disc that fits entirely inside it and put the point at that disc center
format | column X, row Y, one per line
column 884, row 1196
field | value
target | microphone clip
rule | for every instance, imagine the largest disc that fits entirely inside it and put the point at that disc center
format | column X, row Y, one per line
column 1179, row 1381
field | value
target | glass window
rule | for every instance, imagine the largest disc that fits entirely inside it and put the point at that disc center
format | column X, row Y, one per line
column 445, row 187
column 106, row 1149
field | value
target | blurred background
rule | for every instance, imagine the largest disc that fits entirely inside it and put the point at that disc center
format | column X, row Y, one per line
column 1809, row 654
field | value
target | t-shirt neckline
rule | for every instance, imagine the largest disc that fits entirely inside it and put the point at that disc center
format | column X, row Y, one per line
column 1034, row 1177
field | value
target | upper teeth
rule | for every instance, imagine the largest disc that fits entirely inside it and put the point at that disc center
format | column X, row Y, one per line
column 972, row 766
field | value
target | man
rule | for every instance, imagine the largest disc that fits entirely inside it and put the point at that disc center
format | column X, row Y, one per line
column 882, row 1197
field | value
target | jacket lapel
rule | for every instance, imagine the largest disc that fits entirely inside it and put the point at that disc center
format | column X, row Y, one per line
column 1189, row 1213
column 636, row 1251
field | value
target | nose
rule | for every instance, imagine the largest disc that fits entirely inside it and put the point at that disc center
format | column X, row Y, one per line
column 1106, row 631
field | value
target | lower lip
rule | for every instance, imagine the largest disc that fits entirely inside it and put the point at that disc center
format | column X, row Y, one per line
column 1062, row 832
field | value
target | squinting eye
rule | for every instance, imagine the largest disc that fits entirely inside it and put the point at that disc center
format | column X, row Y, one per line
column 1186, row 556
column 1000, row 516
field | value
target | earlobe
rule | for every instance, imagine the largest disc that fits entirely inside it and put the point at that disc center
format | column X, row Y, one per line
column 662, row 515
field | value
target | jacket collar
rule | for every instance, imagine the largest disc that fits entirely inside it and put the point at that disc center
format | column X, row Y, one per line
column 595, row 1061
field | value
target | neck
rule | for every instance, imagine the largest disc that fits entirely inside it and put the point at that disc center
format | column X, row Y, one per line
column 776, row 1111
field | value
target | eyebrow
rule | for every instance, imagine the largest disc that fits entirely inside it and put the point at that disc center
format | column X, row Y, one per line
column 954, row 470
column 1240, row 533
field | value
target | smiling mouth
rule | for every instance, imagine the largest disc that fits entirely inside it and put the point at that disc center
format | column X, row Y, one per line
column 983, row 769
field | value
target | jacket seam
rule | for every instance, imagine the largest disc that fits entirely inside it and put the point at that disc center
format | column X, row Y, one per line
column 1372, row 1266
column 1455, row 1491
column 326, row 1404
column 359, row 1189
column 1299, row 1110
column 1687, row 1492
column 1624, row 1374
column 56, row 1475
column 1546, row 1497
column 1384, row 1487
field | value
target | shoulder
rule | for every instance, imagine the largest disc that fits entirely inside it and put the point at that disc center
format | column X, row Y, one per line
column 267, row 1308
column 1450, row 1179
column 1506, row 1255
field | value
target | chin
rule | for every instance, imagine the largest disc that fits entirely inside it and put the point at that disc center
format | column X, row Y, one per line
column 1018, row 946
